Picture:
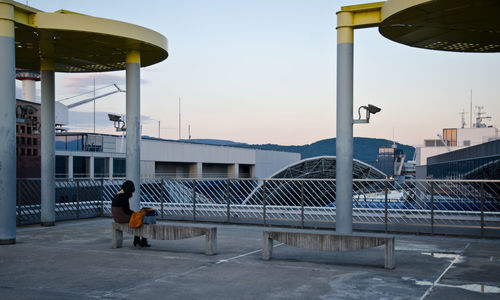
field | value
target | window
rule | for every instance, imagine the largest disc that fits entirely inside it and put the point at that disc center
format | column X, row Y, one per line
column 450, row 136
column 118, row 167
column 35, row 152
column 35, row 142
column 28, row 152
column 81, row 166
column 60, row 142
column 61, row 166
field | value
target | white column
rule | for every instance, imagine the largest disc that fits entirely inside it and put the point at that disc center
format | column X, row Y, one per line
column 48, row 205
column 133, row 123
column 233, row 171
column 29, row 89
column 110, row 167
column 196, row 170
column 252, row 171
column 92, row 167
column 70, row 166
column 344, row 142
column 7, row 126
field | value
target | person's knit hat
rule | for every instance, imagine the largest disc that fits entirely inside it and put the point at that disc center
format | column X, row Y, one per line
column 128, row 187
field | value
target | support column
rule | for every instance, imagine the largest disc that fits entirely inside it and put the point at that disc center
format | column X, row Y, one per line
column 133, row 123
column 233, row 171
column 196, row 170
column 344, row 143
column 110, row 167
column 48, row 140
column 91, row 166
column 29, row 90
column 7, row 126
column 70, row 167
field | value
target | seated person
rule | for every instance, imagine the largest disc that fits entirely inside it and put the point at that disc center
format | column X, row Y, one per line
column 121, row 212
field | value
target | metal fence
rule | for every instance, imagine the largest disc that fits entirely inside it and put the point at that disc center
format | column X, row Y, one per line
column 458, row 207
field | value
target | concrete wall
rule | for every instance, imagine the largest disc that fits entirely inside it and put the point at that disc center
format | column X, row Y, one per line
column 186, row 152
column 147, row 169
column 269, row 162
column 263, row 163
column 186, row 160
column 475, row 135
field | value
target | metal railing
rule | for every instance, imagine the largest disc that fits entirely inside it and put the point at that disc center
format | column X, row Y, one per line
column 461, row 207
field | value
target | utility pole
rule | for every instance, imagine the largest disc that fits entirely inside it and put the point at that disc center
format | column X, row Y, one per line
column 94, row 105
column 179, row 118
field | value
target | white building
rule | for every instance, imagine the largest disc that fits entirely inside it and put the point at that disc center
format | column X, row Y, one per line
column 96, row 155
column 454, row 139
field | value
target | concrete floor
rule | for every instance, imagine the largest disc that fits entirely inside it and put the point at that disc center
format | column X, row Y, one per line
column 74, row 260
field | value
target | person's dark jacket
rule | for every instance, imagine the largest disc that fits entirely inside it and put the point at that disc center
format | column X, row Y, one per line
column 120, row 208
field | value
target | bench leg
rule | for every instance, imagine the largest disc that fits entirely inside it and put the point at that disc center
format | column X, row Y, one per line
column 267, row 247
column 211, row 242
column 117, row 238
column 390, row 260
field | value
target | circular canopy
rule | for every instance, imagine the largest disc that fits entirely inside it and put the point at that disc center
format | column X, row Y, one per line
column 81, row 43
column 448, row 25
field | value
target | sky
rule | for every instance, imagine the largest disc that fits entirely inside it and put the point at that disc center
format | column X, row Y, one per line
column 264, row 71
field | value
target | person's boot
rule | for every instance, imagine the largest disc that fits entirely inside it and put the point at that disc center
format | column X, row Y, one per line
column 144, row 243
column 137, row 241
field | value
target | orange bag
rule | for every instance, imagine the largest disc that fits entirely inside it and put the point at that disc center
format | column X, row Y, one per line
column 136, row 218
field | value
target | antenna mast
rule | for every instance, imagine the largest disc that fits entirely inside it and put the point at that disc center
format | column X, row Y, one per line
column 470, row 109
column 480, row 118
column 463, row 117
column 179, row 118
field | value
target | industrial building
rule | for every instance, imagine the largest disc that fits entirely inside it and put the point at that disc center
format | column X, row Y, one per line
column 476, row 162
column 461, row 153
column 98, row 155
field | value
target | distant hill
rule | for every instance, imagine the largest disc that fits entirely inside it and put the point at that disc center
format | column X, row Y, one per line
column 365, row 149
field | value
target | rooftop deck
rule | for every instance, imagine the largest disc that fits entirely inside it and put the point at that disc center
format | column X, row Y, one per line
column 74, row 260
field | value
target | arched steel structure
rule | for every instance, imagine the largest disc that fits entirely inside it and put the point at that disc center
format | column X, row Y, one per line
column 324, row 167
column 293, row 192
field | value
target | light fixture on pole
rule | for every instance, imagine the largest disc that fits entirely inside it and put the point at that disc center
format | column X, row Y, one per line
column 370, row 109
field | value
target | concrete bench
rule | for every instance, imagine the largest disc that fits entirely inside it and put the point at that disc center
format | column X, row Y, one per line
column 329, row 242
column 166, row 232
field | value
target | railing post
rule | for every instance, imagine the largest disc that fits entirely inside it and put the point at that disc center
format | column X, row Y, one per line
column 386, row 204
column 102, row 196
column 19, row 218
column 228, row 200
column 302, row 203
column 194, row 200
column 264, row 203
column 482, row 209
column 78, row 199
column 162, row 197
column 432, row 207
